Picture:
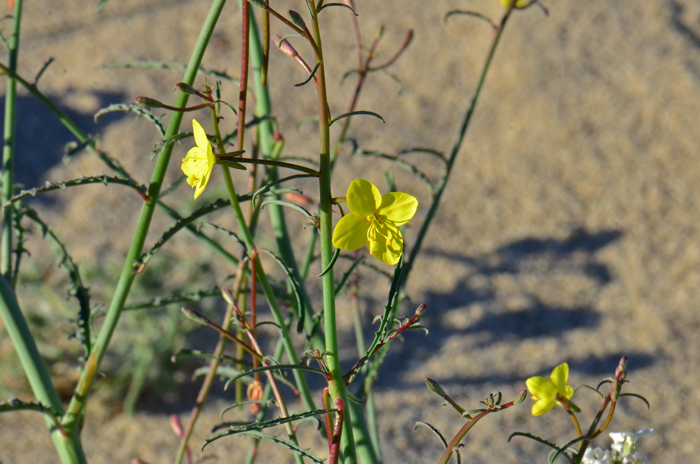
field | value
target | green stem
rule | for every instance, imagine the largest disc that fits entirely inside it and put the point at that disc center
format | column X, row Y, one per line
column 415, row 249
column 8, row 147
column 262, row 278
column 77, row 404
column 336, row 384
column 69, row 448
column 263, row 109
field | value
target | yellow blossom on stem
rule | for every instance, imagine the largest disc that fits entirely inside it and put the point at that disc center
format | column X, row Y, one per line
column 374, row 220
column 200, row 160
column 544, row 391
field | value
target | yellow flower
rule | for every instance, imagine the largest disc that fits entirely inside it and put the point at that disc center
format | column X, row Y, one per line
column 374, row 220
column 544, row 391
column 200, row 160
column 518, row 3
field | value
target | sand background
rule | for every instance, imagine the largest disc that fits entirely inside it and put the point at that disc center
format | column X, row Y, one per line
column 569, row 231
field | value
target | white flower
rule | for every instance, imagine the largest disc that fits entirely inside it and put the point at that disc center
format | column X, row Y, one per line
column 635, row 458
column 597, row 456
column 624, row 442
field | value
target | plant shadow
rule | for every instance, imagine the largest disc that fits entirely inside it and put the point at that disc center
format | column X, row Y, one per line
column 41, row 139
column 479, row 306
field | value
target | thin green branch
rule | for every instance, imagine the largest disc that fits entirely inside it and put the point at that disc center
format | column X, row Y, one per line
column 76, row 408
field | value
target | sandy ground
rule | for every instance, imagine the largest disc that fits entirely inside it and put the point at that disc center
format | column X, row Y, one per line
column 569, row 231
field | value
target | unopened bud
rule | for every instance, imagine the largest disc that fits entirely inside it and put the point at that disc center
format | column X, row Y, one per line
column 255, row 393
column 520, row 396
column 195, row 316
column 186, row 88
column 421, row 310
column 621, row 371
column 297, row 19
column 284, row 46
column 435, row 387
column 148, row 102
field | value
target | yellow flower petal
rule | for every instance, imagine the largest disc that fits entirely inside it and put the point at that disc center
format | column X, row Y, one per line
column 351, row 232
column 385, row 243
column 200, row 137
column 363, row 197
column 542, row 406
column 398, row 207
column 541, row 387
column 559, row 377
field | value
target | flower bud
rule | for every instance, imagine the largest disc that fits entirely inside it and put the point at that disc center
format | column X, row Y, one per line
column 297, row 19
column 195, row 316
column 186, row 88
column 284, row 46
column 148, row 102
column 520, row 396
column 435, row 387
column 421, row 310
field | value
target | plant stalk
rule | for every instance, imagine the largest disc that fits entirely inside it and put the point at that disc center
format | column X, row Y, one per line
column 76, row 408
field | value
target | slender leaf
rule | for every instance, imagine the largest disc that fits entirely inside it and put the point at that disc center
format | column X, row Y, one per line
column 256, row 426
column 133, row 108
column 637, row 396
column 101, row 179
column 338, row 4
column 435, row 431
column 357, row 113
column 533, row 437
column 553, row 458
column 590, row 388
column 301, row 209
column 473, row 14
column 334, row 258
column 311, row 76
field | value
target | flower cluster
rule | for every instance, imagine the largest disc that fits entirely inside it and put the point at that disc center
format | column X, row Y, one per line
column 622, row 451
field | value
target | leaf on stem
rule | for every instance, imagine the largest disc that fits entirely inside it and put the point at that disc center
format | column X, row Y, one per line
column 338, row 4
column 312, row 74
column 356, row 113
column 436, row 431
column 473, row 14
column 49, row 187
column 133, row 108
column 257, row 426
column 637, row 396
column 334, row 258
